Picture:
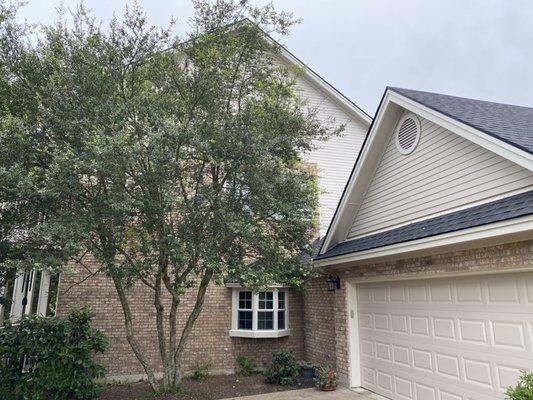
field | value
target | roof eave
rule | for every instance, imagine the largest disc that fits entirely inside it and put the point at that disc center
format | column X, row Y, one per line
column 498, row 232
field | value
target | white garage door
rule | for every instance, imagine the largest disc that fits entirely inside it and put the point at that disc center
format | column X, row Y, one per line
column 446, row 339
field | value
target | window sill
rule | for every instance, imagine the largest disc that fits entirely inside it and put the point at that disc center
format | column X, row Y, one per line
column 259, row 334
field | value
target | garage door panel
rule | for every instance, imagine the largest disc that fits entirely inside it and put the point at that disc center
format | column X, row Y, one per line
column 505, row 337
column 440, row 338
column 498, row 289
column 435, row 357
column 377, row 378
column 517, row 309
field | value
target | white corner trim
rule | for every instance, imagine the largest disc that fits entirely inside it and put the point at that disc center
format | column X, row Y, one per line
column 259, row 334
column 353, row 335
column 509, row 227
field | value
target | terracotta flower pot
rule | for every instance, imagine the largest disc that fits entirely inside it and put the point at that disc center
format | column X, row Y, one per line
column 328, row 388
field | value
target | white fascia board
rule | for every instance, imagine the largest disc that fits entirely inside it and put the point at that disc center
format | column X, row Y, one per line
column 515, row 226
column 351, row 200
column 482, row 139
column 322, row 84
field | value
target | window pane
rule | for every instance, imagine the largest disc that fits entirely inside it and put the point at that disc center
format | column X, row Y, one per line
column 265, row 320
column 281, row 319
column 266, row 300
column 281, row 300
column 245, row 300
column 245, row 320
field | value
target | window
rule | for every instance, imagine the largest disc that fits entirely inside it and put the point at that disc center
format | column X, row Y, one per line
column 245, row 311
column 281, row 310
column 260, row 315
column 31, row 292
column 265, row 315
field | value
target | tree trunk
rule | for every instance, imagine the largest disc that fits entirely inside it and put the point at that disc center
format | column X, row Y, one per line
column 193, row 316
column 130, row 336
column 172, row 319
column 165, row 356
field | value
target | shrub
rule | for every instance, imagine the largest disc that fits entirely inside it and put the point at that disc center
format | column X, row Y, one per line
column 325, row 378
column 283, row 369
column 50, row 358
column 247, row 366
column 524, row 388
column 200, row 372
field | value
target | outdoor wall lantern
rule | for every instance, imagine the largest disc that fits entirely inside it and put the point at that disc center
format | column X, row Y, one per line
column 334, row 283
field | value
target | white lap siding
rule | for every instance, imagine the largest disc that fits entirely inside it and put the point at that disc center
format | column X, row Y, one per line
column 443, row 173
column 334, row 158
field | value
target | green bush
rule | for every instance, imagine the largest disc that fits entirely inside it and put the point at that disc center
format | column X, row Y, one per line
column 50, row 358
column 283, row 369
column 524, row 388
column 200, row 372
column 247, row 366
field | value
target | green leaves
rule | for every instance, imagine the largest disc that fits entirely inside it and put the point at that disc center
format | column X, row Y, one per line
column 143, row 157
column 167, row 160
column 284, row 369
column 523, row 389
column 58, row 354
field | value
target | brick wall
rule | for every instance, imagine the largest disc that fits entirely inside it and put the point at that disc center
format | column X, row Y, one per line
column 318, row 318
column 326, row 313
column 209, row 341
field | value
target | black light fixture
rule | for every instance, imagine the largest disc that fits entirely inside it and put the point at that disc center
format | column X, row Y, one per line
column 334, row 283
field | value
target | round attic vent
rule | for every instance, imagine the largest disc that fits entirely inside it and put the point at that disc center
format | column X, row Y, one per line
column 407, row 133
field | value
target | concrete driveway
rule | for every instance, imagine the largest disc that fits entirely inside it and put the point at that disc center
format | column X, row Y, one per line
column 313, row 394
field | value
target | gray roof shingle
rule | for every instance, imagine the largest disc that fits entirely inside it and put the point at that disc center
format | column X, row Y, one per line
column 500, row 210
column 512, row 124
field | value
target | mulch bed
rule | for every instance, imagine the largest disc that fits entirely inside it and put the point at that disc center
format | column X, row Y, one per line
column 211, row 388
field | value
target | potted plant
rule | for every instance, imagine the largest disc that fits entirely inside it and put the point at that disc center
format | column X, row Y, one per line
column 325, row 379
column 307, row 370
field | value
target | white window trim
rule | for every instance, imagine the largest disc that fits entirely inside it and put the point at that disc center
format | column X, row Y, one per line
column 28, row 278
column 255, row 332
column 23, row 288
column 2, row 290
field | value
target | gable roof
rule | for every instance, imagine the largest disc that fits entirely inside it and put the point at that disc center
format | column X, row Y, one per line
column 476, row 122
column 500, row 210
column 320, row 82
column 512, row 124
column 285, row 55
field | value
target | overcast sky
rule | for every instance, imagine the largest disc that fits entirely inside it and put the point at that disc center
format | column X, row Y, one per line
column 473, row 48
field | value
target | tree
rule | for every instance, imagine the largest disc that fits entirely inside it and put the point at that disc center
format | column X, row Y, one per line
column 25, row 243
column 174, row 162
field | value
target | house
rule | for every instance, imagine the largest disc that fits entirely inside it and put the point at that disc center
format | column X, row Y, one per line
column 231, row 324
column 432, row 242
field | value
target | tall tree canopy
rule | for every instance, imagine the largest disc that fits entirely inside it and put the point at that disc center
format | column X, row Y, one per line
column 174, row 161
